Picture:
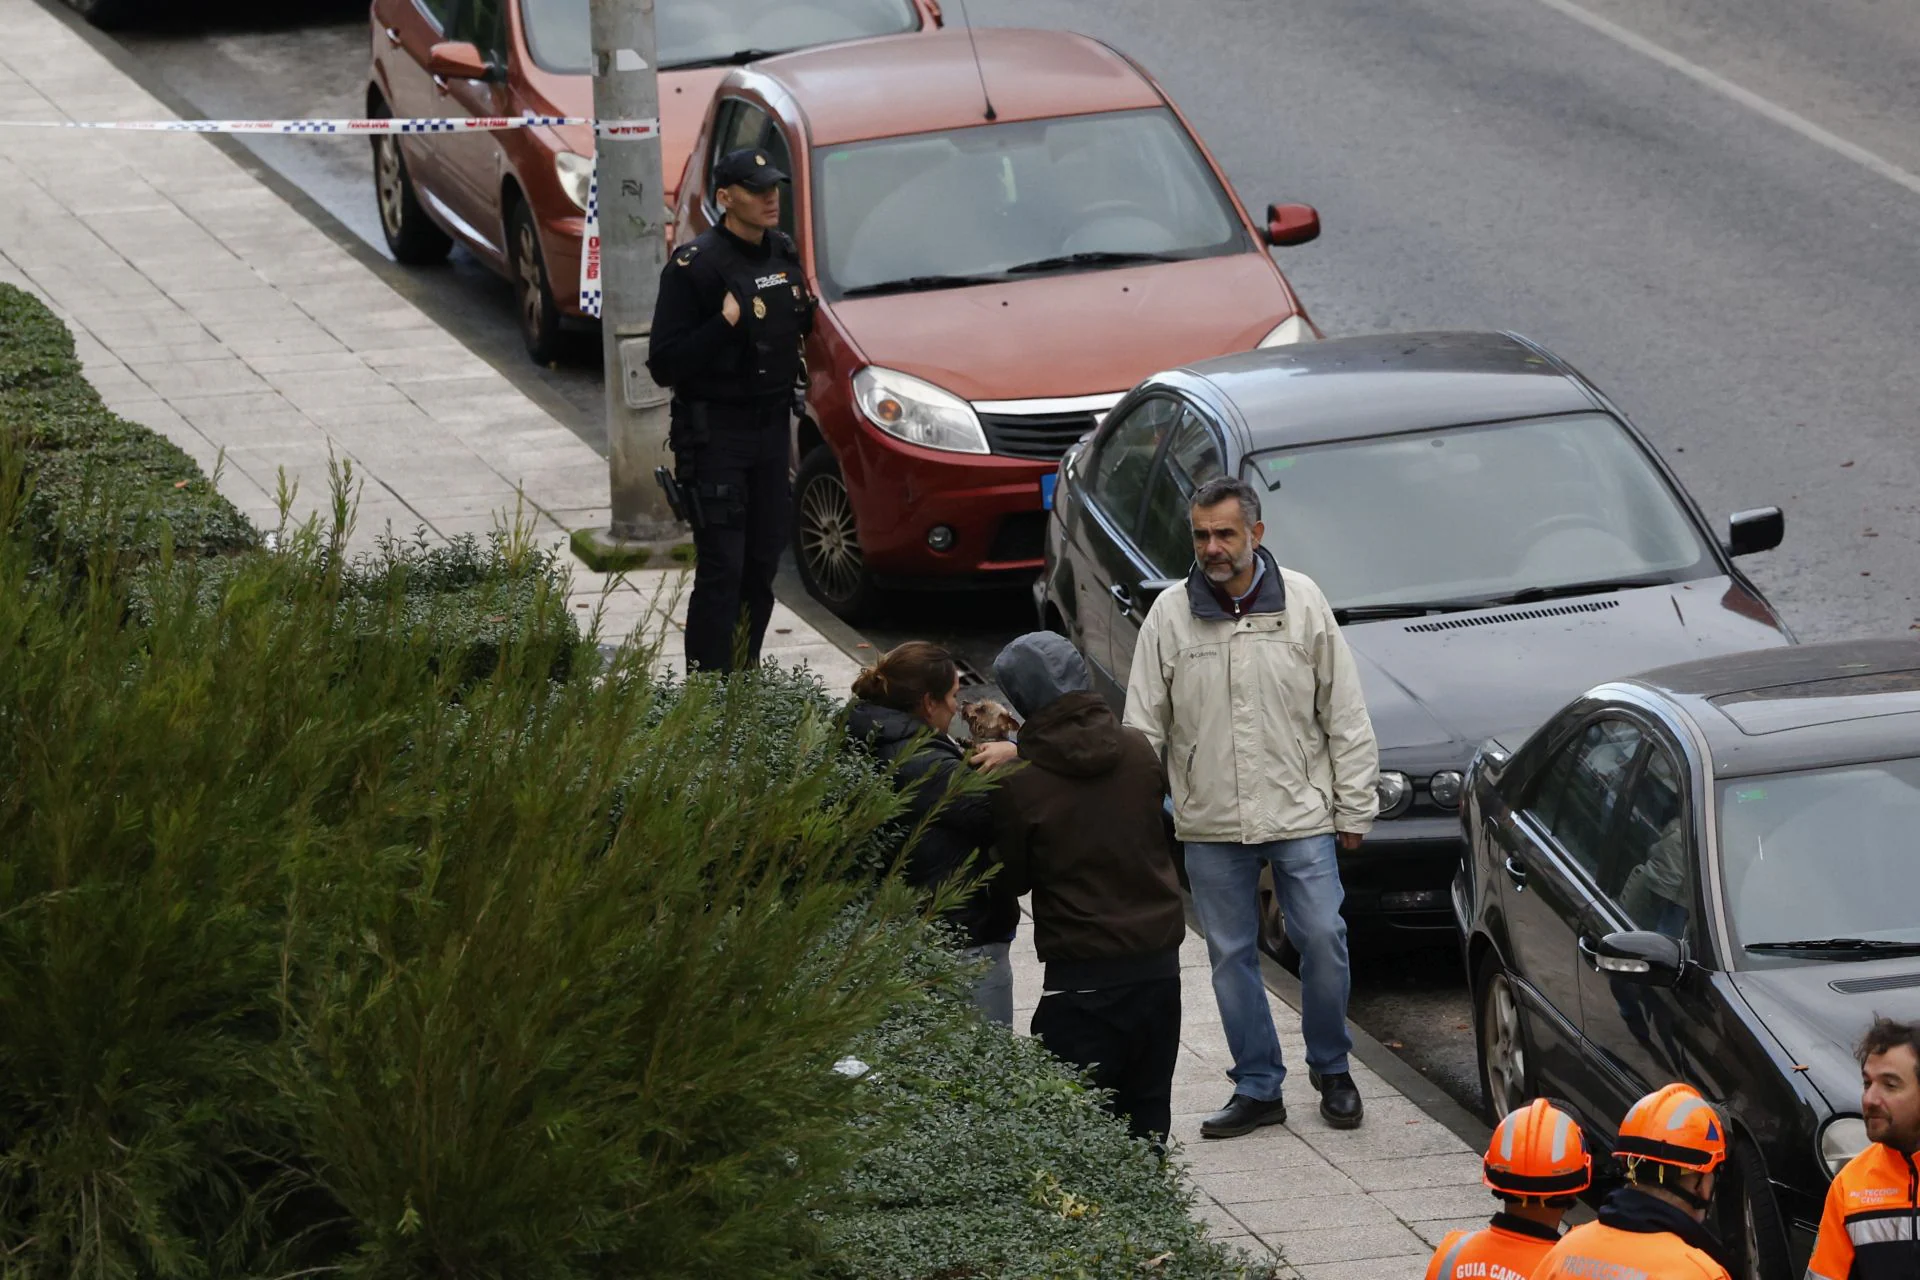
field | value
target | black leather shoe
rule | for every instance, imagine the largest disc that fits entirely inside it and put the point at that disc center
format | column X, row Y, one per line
column 1339, row 1099
column 1242, row 1115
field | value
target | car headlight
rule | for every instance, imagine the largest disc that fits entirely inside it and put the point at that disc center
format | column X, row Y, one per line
column 1291, row 330
column 1841, row 1139
column 1445, row 789
column 1395, row 793
column 918, row 412
column 576, row 174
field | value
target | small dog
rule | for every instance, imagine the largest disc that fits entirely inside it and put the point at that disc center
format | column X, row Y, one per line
column 989, row 721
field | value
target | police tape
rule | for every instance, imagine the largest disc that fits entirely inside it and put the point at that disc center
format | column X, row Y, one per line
column 331, row 128
column 591, row 287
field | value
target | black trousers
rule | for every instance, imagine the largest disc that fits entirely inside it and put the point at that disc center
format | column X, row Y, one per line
column 1127, row 1038
column 746, row 498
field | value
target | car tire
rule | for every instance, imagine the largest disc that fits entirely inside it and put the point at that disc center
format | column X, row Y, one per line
column 826, row 540
column 1273, row 927
column 1751, row 1223
column 410, row 234
column 538, row 314
column 1500, row 1037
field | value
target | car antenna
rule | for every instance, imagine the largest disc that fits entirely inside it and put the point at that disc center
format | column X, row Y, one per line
column 967, row 22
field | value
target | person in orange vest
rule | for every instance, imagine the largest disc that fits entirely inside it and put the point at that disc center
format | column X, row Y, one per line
column 1536, row 1163
column 1654, row 1228
column 1872, row 1218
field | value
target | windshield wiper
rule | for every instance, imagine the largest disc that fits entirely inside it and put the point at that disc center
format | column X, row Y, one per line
column 1090, row 258
column 1527, row 595
column 1370, row 612
column 916, row 284
column 738, row 58
column 1842, row 946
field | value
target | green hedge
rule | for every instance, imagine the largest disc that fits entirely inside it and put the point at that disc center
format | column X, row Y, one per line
column 357, row 918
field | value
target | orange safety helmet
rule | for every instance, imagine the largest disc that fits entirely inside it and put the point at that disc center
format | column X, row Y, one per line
column 1675, row 1126
column 1538, row 1151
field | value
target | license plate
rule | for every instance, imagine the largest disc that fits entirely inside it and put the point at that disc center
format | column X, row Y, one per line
column 1047, row 483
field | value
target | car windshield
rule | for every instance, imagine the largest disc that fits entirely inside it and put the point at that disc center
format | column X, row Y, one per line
column 714, row 32
column 1016, row 200
column 1478, row 514
column 1819, row 856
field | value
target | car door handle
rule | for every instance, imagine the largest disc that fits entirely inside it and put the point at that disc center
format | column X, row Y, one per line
column 1120, row 593
column 440, row 83
column 393, row 36
column 1516, row 872
column 1587, row 952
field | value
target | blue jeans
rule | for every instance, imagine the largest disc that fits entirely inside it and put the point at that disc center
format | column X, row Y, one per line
column 1226, row 896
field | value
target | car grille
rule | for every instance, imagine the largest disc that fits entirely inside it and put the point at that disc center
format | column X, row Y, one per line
column 1045, row 436
column 1021, row 536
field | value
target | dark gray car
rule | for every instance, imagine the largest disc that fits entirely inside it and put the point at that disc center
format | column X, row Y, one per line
column 1493, row 533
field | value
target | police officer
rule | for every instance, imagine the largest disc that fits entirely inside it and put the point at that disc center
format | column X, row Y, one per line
column 1673, row 1142
column 1537, row 1162
column 728, row 330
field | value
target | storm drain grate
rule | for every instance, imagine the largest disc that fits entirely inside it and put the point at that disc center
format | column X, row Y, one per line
column 1860, row 986
column 1518, row 615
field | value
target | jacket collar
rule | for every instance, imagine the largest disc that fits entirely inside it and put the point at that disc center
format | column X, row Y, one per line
column 1269, row 597
column 1630, row 1209
column 1519, row 1226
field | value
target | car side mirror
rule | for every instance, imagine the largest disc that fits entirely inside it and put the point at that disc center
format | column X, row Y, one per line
column 1751, row 532
column 1292, row 223
column 1150, row 591
column 460, row 60
column 1641, row 957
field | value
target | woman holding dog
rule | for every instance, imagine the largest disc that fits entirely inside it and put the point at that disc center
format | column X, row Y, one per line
column 905, row 704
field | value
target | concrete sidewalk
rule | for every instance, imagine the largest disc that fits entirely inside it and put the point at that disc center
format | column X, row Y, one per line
column 1370, row 1202
column 208, row 308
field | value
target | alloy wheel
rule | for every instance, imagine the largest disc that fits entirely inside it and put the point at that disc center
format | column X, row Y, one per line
column 389, row 184
column 532, row 287
column 1504, row 1046
column 829, row 539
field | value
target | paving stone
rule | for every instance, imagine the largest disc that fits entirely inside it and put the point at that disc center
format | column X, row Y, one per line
column 1436, row 1230
column 1335, row 1203
column 1462, row 1168
column 1408, row 1266
column 1343, row 1244
column 1429, row 1204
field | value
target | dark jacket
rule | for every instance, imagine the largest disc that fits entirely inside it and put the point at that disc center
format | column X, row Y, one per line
column 963, row 827
column 1081, row 827
column 695, row 351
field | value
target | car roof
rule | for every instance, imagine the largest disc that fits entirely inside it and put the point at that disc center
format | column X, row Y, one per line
column 1379, row 384
column 1801, row 706
column 918, row 83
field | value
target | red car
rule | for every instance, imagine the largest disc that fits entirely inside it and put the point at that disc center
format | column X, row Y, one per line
column 992, row 278
column 516, row 199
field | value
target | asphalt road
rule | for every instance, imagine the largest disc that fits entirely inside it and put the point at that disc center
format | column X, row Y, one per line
column 1709, row 206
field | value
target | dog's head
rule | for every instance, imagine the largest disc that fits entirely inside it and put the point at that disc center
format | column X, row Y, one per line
column 989, row 721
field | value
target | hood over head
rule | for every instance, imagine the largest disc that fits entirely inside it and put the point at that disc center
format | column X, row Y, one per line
column 1038, row 668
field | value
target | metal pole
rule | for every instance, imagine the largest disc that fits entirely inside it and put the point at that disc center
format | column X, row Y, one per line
column 633, row 250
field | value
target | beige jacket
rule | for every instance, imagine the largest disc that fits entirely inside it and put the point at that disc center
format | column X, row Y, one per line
column 1260, row 719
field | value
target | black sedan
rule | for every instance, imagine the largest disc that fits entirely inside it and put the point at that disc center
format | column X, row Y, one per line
column 1492, row 532
column 1706, row 873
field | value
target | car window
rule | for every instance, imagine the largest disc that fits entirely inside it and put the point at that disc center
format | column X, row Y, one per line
column 484, row 24
column 741, row 124
column 436, row 10
column 1546, row 503
column 1576, row 797
column 1192, row 458
column 689, row 32
column 1124, row 462
column 1650, row 865
column 1018, row 199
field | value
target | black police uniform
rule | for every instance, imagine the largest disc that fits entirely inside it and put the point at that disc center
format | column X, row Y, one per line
column 734, row 388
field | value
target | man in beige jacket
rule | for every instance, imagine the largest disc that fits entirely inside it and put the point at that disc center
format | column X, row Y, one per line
column 1244, row 683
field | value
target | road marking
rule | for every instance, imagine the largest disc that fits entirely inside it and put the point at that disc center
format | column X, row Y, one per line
column 1745, row 97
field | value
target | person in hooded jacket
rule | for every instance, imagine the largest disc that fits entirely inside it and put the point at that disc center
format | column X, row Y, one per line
column 905, row 704
column 1081, row 828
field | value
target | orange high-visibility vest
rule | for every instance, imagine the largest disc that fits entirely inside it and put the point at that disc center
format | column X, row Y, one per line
column 1491, row 1253
column 1595, row 1251
column 1872, row 1219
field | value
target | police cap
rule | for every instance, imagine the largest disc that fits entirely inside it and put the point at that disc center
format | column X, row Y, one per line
column 748, row 168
